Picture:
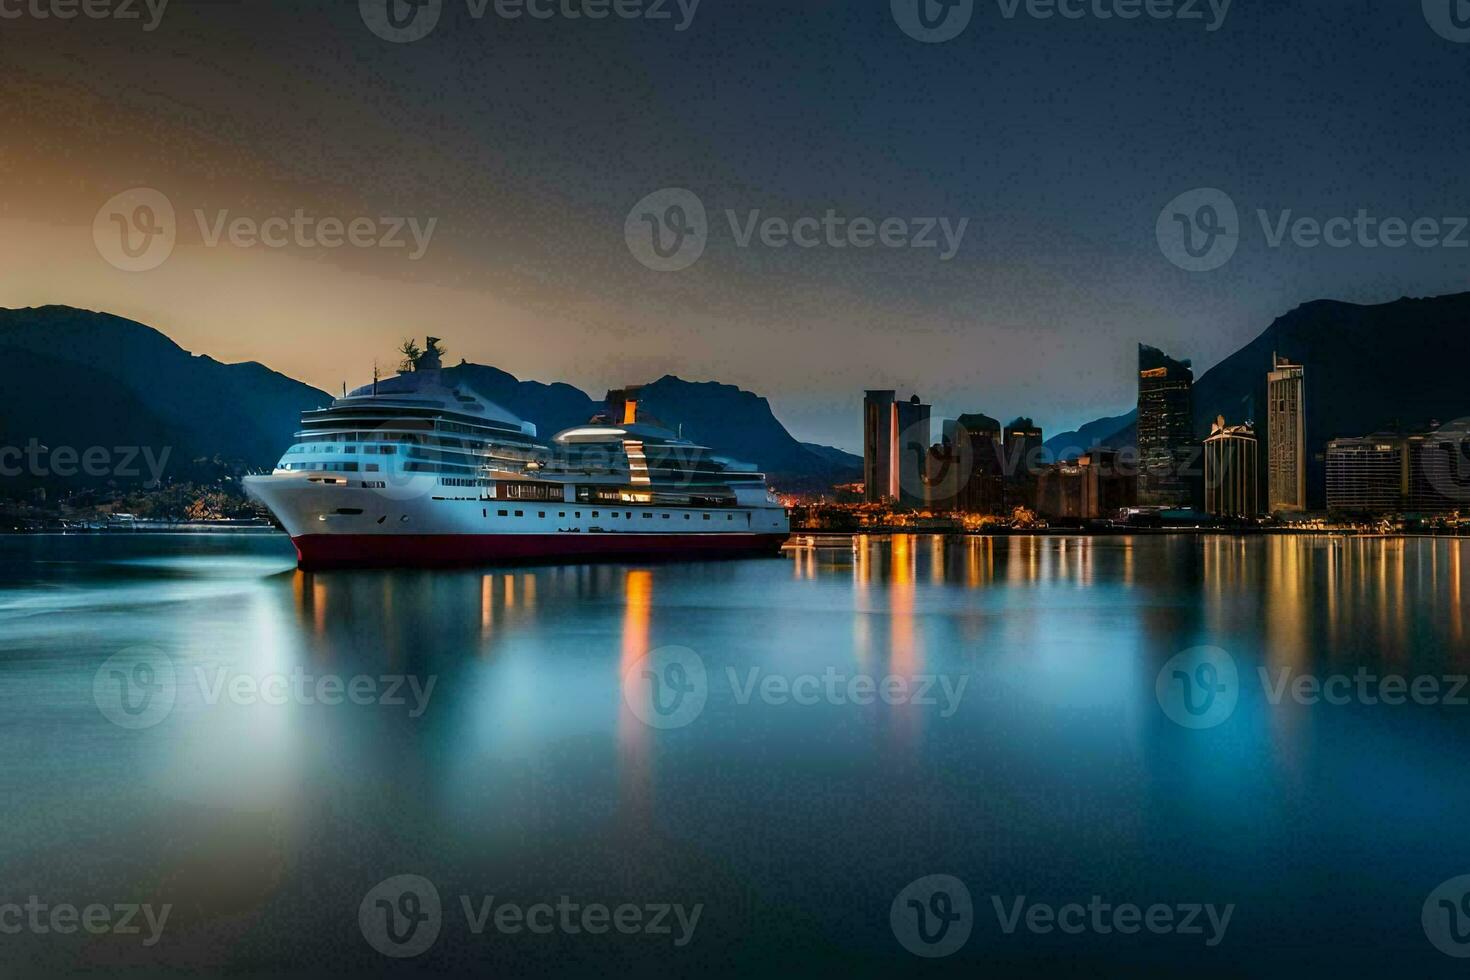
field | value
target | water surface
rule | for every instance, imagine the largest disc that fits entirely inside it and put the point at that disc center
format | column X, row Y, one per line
column 1045, row 766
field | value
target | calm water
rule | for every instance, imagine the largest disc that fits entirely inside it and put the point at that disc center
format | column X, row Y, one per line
column 199, row 767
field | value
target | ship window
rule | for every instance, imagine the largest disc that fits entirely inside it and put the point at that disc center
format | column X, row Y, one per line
column 579, row 513
column 706, row 517
column 484, row 512
column 520, row 513
column 541, row 513
column 647, row 516
column 666, row 517
column 686, row 517
column 371, row 467
column 562, row 514
column 502, row 513
column 350, row 449
column 595, row 513
column 729, row 517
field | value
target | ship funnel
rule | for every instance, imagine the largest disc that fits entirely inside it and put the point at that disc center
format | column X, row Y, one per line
column 622, row 404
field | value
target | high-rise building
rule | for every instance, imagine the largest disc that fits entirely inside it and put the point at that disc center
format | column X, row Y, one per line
column 895, row 448
column 1022, row 462
column 1286, row 437
column 1439, row 470
column 1422, row 473
column 1365, row 474
column 965, row 471
column 1091, row 486
column 1166, row 446
column 1231, row 475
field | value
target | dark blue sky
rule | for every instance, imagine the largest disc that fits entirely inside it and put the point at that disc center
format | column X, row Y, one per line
column 1059, row 140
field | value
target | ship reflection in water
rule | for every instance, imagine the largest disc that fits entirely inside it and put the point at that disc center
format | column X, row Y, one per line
column 787, row 741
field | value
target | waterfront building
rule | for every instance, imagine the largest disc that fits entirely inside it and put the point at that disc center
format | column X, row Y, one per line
column 1286, row 442
column 1438, row 479
column 1421, row 473
column 895, row 448
column 1365, row 474
column 1092, row 486
column 1022, row 461
column 965, row 469
column 1231, row 474
column 1166, row 445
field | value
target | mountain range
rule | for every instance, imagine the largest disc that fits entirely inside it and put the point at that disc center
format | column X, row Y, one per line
column 1369, row 368
column 80, row 379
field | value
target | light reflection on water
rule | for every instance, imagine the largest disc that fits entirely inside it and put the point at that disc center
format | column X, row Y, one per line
column 528, row 772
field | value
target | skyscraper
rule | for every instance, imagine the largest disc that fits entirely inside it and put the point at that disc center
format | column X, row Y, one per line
column 965, row 468
column 1093, row 485
column 895, row 448
column 1286, row 440
column 1365, row 475
column 1166, row 446
column 1021, row 446
column 1231, row 474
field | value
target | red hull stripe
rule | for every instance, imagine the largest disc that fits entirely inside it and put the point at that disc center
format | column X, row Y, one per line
column 379, row 550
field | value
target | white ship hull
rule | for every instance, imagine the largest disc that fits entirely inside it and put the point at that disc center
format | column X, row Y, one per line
column 343, row 524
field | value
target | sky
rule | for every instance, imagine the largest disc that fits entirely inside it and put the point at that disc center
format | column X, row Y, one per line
column 1047, row 160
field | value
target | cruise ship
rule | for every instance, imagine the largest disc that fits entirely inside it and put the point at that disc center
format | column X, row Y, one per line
column 419, row 470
